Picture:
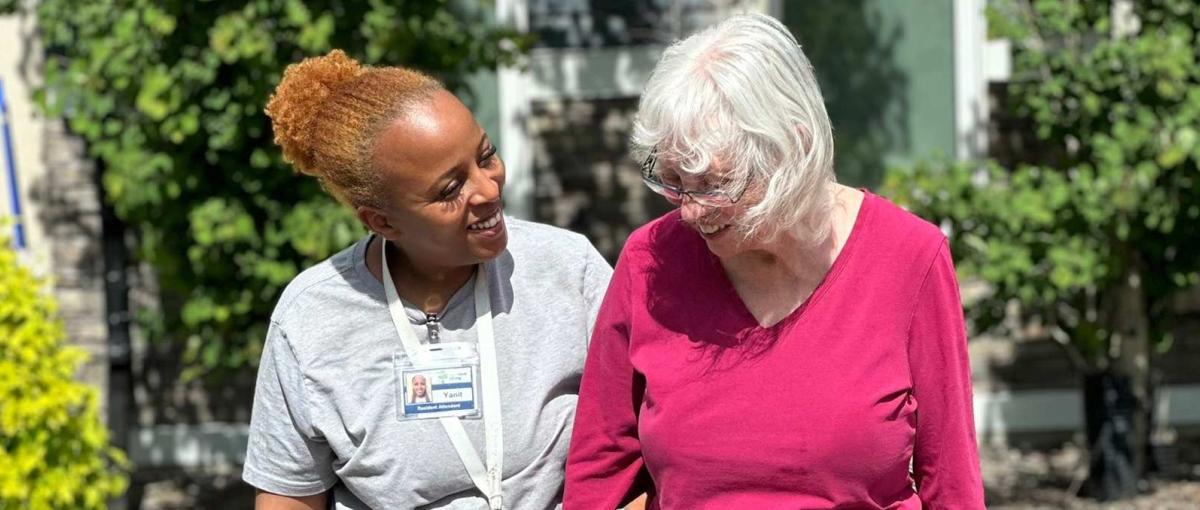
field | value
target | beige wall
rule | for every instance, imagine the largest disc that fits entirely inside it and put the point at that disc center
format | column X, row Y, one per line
column 20, row 66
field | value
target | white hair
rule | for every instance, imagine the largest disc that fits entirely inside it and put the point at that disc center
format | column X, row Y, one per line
column 742, row 93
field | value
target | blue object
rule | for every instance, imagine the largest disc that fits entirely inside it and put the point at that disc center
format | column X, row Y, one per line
column 14, row 189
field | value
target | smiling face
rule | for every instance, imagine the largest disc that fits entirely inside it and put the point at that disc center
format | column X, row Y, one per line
column 442, row 182
column 419, row 386
column 717, row 225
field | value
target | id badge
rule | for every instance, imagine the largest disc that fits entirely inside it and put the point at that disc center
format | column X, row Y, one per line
column 443, row 381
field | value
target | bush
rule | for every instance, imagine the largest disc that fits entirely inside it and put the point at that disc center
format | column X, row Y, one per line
column 54, row 450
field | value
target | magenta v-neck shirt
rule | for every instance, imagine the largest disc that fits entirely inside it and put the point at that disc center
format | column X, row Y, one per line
column 824, row 409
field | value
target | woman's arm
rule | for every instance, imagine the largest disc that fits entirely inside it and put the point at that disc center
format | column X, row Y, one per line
column 604, row 466
column 945, row 457
column 268, row 501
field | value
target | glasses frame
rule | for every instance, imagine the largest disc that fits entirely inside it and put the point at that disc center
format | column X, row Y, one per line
column 675, row 194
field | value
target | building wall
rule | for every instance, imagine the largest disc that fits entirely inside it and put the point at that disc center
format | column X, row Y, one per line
column 886, row 69
column 20, row 66
column 568, row 150
column 56, row 188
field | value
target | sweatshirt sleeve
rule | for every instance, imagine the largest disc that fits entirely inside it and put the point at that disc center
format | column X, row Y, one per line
column 945, row 458
column 284, row 454
column 604, row 466
column 596, row 276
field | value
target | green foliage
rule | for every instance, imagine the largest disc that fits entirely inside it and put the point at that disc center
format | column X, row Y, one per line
column 1112, row 193
column 53, row 447
column 170, row 97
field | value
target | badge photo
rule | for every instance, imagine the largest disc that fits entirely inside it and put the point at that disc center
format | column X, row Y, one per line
column 443, row 383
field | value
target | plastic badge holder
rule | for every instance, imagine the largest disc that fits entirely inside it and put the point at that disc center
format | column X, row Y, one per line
column 443, row 381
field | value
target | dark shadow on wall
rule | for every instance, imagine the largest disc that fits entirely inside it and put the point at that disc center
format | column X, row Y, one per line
column 579, row 23
column 853, row 49
column 610, row 23
column 175, row 489
column 1036, row 364
column 585, row 179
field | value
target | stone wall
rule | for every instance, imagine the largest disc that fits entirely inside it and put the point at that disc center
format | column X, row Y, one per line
column 584, row 177
column 69, row 213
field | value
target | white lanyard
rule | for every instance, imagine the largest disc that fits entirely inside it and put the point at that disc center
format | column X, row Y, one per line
column 487, row 480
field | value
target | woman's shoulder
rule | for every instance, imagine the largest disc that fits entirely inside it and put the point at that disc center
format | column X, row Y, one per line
column 545, row 260
column 532, row 240
column 331, row 276
column 903, row 236
column 527, row 233
column 899, row 222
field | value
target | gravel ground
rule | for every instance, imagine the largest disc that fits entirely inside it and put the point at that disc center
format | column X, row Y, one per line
column 1018, row 480
column 1015, row 480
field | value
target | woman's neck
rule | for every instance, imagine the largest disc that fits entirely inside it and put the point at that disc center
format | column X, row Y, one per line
column 789, row 256
column 786, row 260
column 776, row 277
column 428, row 286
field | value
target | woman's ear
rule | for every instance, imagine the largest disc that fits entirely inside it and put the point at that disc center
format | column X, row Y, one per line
column 376, row 221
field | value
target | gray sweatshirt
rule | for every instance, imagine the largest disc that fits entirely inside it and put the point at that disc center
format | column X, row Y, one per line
column 325, row 405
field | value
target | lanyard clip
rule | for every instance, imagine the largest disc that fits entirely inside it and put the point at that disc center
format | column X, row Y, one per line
column 494, row 502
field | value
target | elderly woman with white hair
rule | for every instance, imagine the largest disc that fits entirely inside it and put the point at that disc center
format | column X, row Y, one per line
column 779, row 340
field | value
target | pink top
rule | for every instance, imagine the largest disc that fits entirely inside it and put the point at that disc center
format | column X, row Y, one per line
column 824, row 409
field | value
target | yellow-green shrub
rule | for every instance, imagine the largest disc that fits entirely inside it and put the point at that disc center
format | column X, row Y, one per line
column 54, row 451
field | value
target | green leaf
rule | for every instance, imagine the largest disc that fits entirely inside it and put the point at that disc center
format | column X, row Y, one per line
column 151, row 100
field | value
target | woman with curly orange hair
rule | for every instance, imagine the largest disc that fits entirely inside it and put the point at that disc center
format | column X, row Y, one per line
column 494, row 313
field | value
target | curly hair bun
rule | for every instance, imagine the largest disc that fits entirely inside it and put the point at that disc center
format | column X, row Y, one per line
column 299, row 97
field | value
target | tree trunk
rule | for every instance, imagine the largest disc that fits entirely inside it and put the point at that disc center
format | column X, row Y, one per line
column 1109, row 407
column 1117, row 398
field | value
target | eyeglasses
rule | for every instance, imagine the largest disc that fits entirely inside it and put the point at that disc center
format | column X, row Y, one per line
column 674, row 194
